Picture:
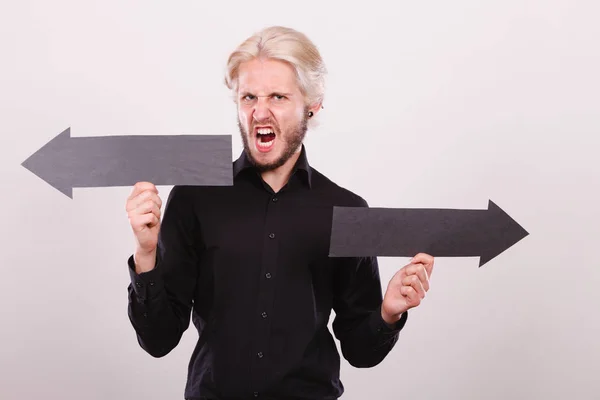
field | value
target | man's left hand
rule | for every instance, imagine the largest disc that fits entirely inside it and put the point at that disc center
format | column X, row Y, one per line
column 407, row 288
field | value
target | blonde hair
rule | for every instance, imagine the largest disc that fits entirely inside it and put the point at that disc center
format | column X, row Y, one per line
column 283, row 44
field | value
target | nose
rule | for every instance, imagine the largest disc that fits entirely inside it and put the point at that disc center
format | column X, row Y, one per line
column 261, row 109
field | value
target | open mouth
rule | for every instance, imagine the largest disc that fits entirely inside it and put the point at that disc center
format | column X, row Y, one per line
column 265, row 138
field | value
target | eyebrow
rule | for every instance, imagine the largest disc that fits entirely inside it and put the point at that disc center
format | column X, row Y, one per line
column 280, row 93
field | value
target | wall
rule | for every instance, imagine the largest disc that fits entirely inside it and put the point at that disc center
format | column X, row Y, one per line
column 429, row 104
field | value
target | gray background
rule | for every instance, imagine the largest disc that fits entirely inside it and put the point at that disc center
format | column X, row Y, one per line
column 429, row 104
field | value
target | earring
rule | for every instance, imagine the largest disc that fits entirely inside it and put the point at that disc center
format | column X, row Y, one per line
column 310, row 114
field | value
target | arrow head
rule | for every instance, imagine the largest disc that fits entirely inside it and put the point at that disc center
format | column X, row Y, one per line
column 43, row 163
column 499, row 232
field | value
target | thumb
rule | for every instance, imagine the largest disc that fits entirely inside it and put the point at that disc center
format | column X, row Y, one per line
column 398, row 276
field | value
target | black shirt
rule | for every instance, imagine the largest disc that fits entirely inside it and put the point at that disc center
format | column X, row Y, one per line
column 251, row 267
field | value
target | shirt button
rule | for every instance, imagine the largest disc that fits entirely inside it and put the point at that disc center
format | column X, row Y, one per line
column 264, row 314
column 260, row 354
column 272, row 235
column 255, row 394
column 268, row 275
column 275, row 199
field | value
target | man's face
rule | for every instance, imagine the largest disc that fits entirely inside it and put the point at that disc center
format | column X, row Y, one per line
column 272, row 114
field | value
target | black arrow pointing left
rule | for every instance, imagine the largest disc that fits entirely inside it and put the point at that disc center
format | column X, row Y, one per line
column 75, row 162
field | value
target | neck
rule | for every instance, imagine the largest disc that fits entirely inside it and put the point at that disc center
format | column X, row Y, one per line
column 278, row 178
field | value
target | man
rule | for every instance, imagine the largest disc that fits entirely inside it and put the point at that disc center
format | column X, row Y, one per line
column 249, row 262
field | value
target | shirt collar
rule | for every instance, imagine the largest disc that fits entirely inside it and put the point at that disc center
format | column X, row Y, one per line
column 243, row 163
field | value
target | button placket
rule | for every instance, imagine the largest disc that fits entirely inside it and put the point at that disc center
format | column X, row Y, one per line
column 265, row 299
column 142, row 292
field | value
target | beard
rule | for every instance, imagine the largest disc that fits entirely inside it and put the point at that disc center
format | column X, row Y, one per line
column 291, row 140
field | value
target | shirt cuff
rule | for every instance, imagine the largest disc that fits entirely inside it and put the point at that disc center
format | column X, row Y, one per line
column 379, row 326
column 146, row 285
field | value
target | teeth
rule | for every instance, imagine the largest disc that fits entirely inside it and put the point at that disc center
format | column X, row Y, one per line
column 265, row 144
column 263, row 132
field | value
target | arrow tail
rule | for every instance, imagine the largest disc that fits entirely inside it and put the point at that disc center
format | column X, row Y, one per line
column 162, row 160
column 361, row 231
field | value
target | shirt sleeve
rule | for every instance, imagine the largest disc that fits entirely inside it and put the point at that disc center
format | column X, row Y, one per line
column 160, row 300
column 365, row 338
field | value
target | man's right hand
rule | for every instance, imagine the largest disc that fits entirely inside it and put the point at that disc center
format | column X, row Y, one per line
column 143, row 209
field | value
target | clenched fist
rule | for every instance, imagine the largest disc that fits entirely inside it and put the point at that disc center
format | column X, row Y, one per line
column 407, row 287
column 143, row 209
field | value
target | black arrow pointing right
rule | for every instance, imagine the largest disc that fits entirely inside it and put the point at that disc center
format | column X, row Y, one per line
column 362, row 231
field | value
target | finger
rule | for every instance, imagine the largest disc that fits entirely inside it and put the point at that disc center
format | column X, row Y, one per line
column 141, row 222
column 398, row 276
column 420, row 271
column 411, row 295
column 140, row 187
column 406, row 291
column 422, row 258
column 414, row 282
column 426, row 259
column 142, row 198
column 149, row 206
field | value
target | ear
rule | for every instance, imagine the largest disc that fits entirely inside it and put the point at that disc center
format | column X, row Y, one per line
column 316, row 107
